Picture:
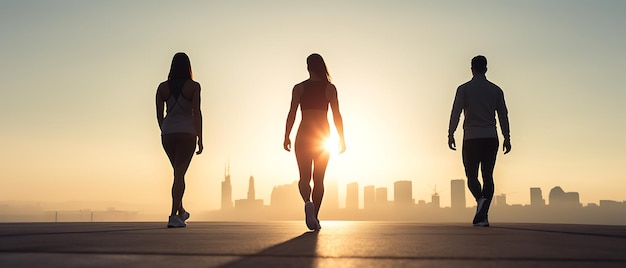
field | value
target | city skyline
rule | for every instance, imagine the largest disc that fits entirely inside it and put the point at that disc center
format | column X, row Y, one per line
column 366, row 197
column 286, row 204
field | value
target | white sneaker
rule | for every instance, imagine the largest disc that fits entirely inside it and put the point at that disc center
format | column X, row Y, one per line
column 175, row 222
column 184, row 217
column 309, row 211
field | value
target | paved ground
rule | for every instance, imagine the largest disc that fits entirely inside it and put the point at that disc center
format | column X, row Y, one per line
column 287, row 244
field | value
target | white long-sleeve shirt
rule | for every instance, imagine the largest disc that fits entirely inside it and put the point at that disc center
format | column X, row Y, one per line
column 479, row 99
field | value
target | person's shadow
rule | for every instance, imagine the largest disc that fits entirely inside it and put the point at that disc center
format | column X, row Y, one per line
column 299, row 251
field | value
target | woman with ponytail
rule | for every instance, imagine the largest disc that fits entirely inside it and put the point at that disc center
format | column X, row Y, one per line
column 313, row 95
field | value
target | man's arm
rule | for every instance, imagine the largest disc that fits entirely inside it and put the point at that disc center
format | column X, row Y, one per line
column 503, row 118
column 455, row 116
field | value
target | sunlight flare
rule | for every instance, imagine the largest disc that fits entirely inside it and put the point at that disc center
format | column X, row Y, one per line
column 332, row 143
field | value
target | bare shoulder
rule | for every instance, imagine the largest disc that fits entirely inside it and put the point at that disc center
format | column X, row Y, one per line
column 331, row 90
column 331, row 87
column 163, row 90
column 195, row 84
column 298, row 88
column 163, row 85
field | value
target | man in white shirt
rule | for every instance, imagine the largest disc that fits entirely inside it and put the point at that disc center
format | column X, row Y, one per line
column 479, row 100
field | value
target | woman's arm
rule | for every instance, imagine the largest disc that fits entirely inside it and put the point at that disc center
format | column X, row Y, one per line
column 197, row 115
column 291, row 116
column 159, row 106
column 331, row 94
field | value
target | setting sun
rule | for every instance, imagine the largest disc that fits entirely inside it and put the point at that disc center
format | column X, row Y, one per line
column 332, row 143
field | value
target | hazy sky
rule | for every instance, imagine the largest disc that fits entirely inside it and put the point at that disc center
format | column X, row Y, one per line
column 79, row 78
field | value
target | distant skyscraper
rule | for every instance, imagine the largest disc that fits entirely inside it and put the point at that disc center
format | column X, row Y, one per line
column 381, row 197
column 457, row 194
column 331, row 195
column 369, row 197
column 500, row 200
column 251, row 192
column 251, row 202
column 352, row 196
column 536, row 197
column 560, row 198
column 403, row 193
column 435, row 200
column 227, row 190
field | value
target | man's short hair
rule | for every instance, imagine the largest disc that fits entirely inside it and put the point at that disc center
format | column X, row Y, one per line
column 479, row 64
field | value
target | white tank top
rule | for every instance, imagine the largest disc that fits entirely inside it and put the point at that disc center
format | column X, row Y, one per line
column 179, row 118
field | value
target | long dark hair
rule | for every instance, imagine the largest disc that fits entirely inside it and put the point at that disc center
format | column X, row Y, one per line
column 181, row 67
column 315, row 64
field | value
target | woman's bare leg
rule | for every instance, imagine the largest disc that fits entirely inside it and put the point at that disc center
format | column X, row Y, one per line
column 304, row 166
column 179, row 150
column 319, row 170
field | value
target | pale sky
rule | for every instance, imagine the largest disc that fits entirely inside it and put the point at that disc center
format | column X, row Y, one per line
column 79, row 78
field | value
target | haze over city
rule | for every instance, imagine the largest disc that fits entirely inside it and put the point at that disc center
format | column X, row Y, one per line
column 79, row 80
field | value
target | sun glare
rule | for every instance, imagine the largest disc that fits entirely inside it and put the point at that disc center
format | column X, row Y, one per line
column 332, row 143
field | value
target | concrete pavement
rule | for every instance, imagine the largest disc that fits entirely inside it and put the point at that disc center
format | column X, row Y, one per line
column 289, row 244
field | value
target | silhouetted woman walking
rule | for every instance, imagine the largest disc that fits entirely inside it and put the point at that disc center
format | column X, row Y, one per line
column 181, row 128
column 313, row 96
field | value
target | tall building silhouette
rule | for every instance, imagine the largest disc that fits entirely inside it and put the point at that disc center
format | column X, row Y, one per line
column 536, row 197
column 352, row 196
column 403, row 193
column 435, row 200
column 457, row 194
column 560, row 198
column 251, row 192
column 369, row 197
column 251, row 202
column 381, row 197
column 227, row 189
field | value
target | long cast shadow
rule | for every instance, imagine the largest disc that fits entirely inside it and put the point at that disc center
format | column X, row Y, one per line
column 81, row 232
column 301, row 250
column 560, row 232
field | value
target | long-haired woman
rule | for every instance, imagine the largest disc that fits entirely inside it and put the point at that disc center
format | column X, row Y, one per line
column 181, row 128
column 313, row 95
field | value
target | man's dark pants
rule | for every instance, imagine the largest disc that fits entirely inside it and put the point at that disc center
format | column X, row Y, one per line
column 481, row 153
